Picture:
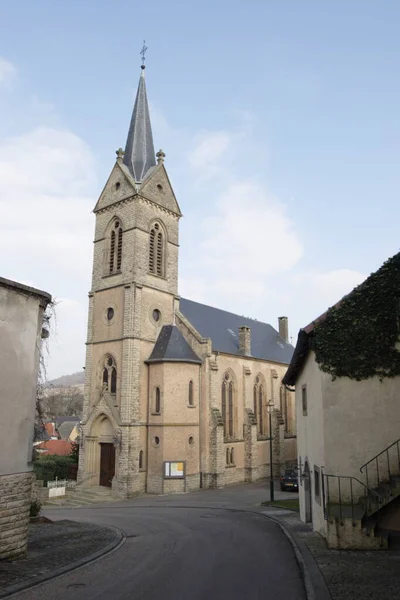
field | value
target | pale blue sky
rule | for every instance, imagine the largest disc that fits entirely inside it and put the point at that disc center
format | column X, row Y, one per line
column 280, row 121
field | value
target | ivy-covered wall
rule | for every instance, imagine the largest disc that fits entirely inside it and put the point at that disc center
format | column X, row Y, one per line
column 358, row 337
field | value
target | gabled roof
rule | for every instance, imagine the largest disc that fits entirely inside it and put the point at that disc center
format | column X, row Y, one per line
column 56, row 447
column 73, row 419
column 171, row 346
column 65, row 429
column 223, row 329
column 305, row 334
column 139, row 154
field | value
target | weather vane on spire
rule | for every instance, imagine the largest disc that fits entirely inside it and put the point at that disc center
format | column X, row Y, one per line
column 143, row 54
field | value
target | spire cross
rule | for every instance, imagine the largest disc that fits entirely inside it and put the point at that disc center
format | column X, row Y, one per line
column 143, row 53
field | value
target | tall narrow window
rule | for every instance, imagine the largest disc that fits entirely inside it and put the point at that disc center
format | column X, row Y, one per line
column 141, row 459
column 119, row 249
column 304, row 399
column 228, row 456
column 113, row 386
column 232, row 456
column 228, row 405
column 260, row 391
column 115, row 257
column 159, row 253
column 190, row 399
column 158, row 401
column 223, row 407
column 230, row 429
column 151, row 251
column 156, row 251
column 109, row 377
column 261, row 409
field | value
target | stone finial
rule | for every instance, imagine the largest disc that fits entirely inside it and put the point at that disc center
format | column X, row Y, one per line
column 120, row 154
column 160, row 157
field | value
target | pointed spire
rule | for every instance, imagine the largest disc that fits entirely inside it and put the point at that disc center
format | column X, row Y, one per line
column 139, row 150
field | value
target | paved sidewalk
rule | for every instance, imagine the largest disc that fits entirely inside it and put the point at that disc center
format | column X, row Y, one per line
column 349, row 575
column 54, row 548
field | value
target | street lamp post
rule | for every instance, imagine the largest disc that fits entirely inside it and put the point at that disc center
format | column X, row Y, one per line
column 270, row 408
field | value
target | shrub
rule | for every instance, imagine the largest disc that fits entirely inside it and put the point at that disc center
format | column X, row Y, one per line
column 49, row 468
column 35, row 508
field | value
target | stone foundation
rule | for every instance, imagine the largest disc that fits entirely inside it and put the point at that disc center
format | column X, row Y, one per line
column 15, row 500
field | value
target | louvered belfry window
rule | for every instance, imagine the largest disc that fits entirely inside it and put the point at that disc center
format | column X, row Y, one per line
column 156, row 251
column 115, row 260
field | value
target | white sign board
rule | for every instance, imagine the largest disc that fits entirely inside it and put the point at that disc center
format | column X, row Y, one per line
column 174, row 469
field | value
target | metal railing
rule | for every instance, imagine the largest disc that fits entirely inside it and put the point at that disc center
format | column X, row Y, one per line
column 382, row 467
column 348, row 497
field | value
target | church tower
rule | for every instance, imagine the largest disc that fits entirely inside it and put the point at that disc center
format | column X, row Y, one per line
column 133, row 295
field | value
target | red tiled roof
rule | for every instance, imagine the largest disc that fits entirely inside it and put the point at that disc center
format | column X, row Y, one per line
column 56, row 447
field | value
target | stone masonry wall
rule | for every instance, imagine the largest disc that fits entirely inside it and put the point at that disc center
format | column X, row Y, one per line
column 15, row 499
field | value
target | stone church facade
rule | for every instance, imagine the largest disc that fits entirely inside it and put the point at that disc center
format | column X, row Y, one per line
column 176, row 392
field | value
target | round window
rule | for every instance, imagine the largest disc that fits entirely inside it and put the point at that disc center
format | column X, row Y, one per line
column 157, row 440
column 110, row 313
column 159, row 187
column 156, row 315
column 191, row 440
column 110, row 362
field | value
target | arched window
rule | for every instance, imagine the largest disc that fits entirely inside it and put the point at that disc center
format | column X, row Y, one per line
column 261, row 408
column 260, row 405
column 141, row 459
column 228, row 406
column 110, row 375
column 158, row 401
column 190, row 399
column 156, row 250
column 115, row 256
column 223, row 407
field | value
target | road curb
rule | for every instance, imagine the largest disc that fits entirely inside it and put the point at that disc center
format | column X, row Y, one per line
column 72, row 566
column 314, row 582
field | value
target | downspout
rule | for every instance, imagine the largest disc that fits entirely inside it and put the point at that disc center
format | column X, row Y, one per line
column 200, row 430
column 147, row 425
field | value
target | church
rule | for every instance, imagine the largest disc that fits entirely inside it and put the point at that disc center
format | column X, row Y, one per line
column 178, row 395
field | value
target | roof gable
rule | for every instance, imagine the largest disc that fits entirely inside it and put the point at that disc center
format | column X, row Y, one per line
column 157, row 188
column 171, row 346
column 222, row 327
column 119, row 185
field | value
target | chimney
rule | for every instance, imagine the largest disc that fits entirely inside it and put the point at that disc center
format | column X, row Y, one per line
column 283, row 328
column 245, row 340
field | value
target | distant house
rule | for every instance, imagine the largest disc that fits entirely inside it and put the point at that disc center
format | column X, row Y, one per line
column 54, row 447
column 66, row 428
column 346, row 370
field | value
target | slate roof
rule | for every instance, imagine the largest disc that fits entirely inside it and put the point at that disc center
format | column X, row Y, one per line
column 171, row 346
column 71, row 419
column 139, row 154
column 65, row 429
column 223, row 329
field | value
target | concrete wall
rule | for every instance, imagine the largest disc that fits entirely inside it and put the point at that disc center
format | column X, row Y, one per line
column 365, row 417
column 310, row 437
column 21, row 317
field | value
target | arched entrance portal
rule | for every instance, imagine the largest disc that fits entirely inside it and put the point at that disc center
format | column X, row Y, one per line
column 307, row 493
column 102, row 451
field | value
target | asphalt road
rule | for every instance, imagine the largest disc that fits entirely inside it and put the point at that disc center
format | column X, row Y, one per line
column 191, row 548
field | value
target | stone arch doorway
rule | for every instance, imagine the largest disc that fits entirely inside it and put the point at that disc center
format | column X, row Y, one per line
column 307, row 493
column 101, row 455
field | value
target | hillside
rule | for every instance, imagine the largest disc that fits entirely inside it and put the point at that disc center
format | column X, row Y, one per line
column 69, row 380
